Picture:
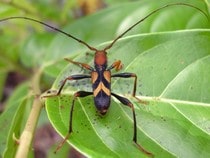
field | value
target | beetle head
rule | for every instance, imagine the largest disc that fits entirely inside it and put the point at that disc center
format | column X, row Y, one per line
column 100, row 60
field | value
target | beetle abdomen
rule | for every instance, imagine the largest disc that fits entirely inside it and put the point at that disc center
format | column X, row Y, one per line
column 101, row 90
column 102, row 102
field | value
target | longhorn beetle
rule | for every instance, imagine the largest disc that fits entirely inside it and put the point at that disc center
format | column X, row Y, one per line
column 100, row 76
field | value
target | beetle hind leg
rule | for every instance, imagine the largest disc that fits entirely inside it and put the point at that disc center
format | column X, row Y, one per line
column 126, row 102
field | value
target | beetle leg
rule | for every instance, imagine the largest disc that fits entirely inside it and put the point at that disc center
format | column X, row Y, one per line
column 79, row 94
column 117, row 65
column 126, row 102
column 73, row 77
column 129, row 75
column 83, row 65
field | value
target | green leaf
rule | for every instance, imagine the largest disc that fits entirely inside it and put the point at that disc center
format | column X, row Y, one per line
column 13, row 120
column 173, row 76
column 107, row 24
column 158, row 59
column 112, row 21
column 34, row 49
column 17, row 125
column 9, row 55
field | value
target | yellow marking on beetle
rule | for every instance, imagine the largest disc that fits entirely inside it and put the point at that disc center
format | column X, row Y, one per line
column 107, row 76
column 101, row 87
column 94, row 76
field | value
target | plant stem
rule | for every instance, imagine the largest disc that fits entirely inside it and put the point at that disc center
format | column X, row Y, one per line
column 28, row 132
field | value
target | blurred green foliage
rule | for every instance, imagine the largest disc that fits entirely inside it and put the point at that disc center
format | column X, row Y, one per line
column 26, row 47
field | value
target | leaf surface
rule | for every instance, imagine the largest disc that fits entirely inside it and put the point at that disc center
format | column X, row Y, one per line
column 173, row 74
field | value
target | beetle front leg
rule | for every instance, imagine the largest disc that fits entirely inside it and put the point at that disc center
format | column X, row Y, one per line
column 117, row 65
column 82, row 65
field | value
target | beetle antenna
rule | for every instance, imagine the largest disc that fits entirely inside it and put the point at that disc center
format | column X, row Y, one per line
column 51, row 27
column 147, row 16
